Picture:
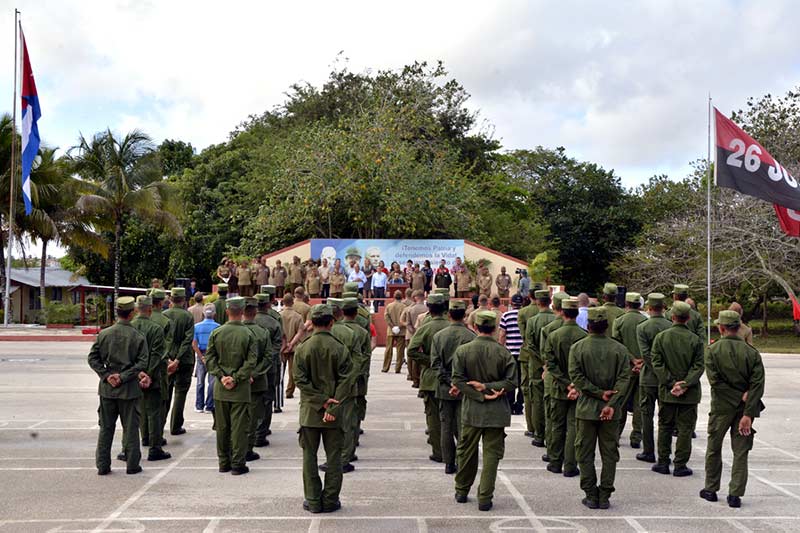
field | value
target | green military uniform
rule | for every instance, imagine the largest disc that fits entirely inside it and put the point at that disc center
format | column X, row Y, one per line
column 353, row 340
column 361, row 360
column 483, row 360
column 180, row 349
column 547, row 379
column 695, row 324
column 533, row 330
column 444, row 345
column 614, row 312
column 219, row 304
column 158, row 295
column 597, row 364
column 321, row 368
column 150, row 405
column 561, row 446
column 275, row 332
column 624, row 330
column 648, row 382
column 119, row 350
column 677, row 355
column 733, row 368
column 232, row 351
column 419, row 349
column 259, row 386
column 525, row 314
column 271, row 290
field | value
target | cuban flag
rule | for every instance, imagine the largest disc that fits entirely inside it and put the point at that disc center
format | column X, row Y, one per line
column 30, row 129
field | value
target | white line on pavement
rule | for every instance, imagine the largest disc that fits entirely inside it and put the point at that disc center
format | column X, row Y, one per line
column 635, row 524
column 520, row 499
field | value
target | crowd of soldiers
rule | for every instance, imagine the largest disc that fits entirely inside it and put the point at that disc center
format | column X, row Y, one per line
column 578, row 382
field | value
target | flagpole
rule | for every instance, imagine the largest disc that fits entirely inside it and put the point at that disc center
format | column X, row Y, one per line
column 708, row 226
column 12, row 179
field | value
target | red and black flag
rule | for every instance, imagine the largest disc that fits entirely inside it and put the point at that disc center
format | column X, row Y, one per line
column 745, row 166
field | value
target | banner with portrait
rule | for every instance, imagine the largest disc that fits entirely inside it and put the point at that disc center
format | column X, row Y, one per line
column 387, row 250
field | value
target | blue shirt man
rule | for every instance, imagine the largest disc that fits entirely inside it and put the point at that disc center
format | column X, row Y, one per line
column 204, row 401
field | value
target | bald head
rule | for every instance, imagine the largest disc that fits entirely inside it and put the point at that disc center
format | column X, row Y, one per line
column 583, row 300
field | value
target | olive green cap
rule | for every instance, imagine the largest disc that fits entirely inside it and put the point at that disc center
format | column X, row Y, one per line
column 250, row 302
column 655, row 298
column 728, row 318
column 178, row 292
column 143, row 301
column 632, row 297
column 610, row 289
column 541, row 293
column 350, row 294
column 262, row 298
column 268, row 289
column 570, row 303
column 681, row 310
column 157, row 294
column 558, row 299
column 351, row 287
column 458, row 304
column 350, row 303
column 485, row 318
column 321, row 311
column 680, row 289
column 597, row 314
column 222, row 287
column 235, row 303
column 125, row 303
column 336, row 303
column 435, row 298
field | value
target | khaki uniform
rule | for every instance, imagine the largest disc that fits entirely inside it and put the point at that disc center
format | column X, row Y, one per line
column 295, row 276
column 150, row 404
column 302, row 308
column 648, row 382
column 533, row 330
column 337, row 284
column 393, row 315
column 181, row 349
column 486, row 361
column 503, row 284
column 197, row 313
column 525, row 314
column 624, row 331
column 745, row 333
column 313, row 285
column 278, row 278
column 262, row 275
column 418, row 281
column 412, row 315
column 485, row 285
column 245, row 281
column 463, row 284
column 291, row 322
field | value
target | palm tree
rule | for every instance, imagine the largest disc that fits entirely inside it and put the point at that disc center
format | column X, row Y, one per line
column 126, row 179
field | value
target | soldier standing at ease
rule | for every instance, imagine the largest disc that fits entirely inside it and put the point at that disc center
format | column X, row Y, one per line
column 525, row 314
column 624, row 330
column 150, row 405
column 444, row 345
column 680, row 293
column 119, row 357
column 610, row 291
column 600, row 369
column 259, row 386
column 219, row 305
column 503, row 283
column 395, row 334
column 533, row 331
column 360, row 359
column 483, row 370
column 321, row 371
column 677, row 356
column 181, row 357
column 547, row 379
column 272, row 324
column 157, row 316
column 296, row 275
column 409, row 320
column 231, row 357
column 485, row 283
column 736, row 375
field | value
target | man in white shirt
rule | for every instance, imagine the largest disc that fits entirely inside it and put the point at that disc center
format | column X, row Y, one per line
column 379, row 280
column 358, row 277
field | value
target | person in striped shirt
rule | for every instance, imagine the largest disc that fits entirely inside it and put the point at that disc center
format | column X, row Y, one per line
column 511, row 338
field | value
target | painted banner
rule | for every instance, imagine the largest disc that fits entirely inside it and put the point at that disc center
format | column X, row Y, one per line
column 387, row 250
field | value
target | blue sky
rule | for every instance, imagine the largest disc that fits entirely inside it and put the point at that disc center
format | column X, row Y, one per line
column 623, row 84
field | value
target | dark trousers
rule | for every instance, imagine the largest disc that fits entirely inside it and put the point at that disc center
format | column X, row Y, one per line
column 258, row 407
column 537, row 400
column 678, row 416
column 179, row 384
column 326, row 290
column 152, row 428
column 107, row 413
column 269, row 396
column 633, row 403
column 317, row 496
column 232, row 423
column 378, row 292
column 591, row 434
column 450, row 418
column 647, row 405
column 432, row 420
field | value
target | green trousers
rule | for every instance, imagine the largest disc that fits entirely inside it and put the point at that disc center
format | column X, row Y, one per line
column 433, row 422
column 537, row 401
column 632, row 397
column 450, row 418
column 232, row 423
column 589, row 435
column 718, row 425
column 348, row 424
column 524, row 383
column 179, row 384
column 317, row 496
column 672, row 416
column 561, row 446
column 258, row 409
column 494, row 447
column 360, row 415
column 647, row 404
column 152, row 427
column 269, row 398
column 548, row 426
column 128, row 412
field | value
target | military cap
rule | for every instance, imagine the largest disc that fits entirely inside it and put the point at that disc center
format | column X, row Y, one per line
column 610, row 289
column 655, row 298
column 178, row 292
column 558, row 299
column 268, row 289
column 157, row 294
column 235, row 303
column 350, row 303
column 458, row 304
column 351, row 287
column 542, row 293
column 125, row 303
column 435, row 298
column 262, row 298
column 516, row 299
column 570, row 303
column 597, row 314
column 728, row 318
column 632, row 297
column 680, row 289
column 537, row 286
column 321, row 311
column 336, row 303
column 485, row 318
column 681, row 310
column 444, row 292
column 143, row 301
column 250, row 302
column 222, row 287
column 350, row 294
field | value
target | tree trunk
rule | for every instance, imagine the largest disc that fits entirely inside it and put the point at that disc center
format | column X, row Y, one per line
column 42, row 270
column 117, row 257
column 765, row 327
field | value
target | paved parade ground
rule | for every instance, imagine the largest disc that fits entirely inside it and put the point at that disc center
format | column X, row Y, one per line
column 48, row 404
